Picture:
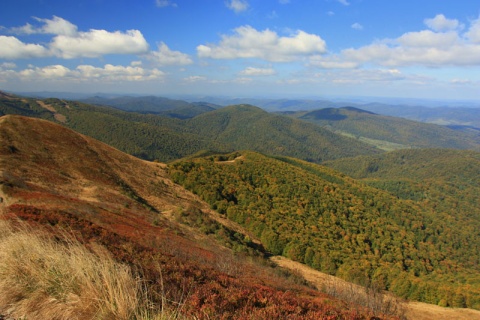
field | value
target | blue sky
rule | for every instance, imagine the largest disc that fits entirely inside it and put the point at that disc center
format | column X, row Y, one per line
column 385, row 48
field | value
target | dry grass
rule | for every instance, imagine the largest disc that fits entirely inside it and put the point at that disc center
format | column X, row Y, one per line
column 378, row 302
column 41, row 278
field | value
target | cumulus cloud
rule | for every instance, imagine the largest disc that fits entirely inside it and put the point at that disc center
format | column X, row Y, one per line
column 247, row 42
column 441, row 23
column 430, row 48
column 11, row 48
column 86, row 73
column 251, row 71
column 95, row 43
column 69, row 43
column 164, row 56
column 237, row 5
column 473, row 34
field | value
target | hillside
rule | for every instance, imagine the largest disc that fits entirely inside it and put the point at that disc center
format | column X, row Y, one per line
column 444, row 181
column 418, row 249
column 182, row 251
column 154, row 137
column 245, row 127
column 389, row 133
column 154, row 105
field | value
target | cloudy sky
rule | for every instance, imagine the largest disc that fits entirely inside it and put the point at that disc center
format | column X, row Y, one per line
column 408, row 49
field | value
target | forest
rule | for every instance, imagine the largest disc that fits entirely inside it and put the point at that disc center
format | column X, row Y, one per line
column 345, row 227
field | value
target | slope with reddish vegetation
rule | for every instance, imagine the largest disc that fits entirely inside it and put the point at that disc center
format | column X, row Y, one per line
column 53, row 177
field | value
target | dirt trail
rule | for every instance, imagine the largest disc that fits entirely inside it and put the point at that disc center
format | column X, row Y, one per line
column 413, row 310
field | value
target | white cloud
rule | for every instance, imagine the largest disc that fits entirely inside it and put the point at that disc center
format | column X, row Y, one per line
column 7, row 65
column 86, row 73
column 164, row 56
column 57, row 26
column 361, row 76
column 194, row 79
column 11, row 48
column 344, row 2
column 461, row 81
column 251, row 71
column 428, row 48
column 165, row 3
column 248, row 42
column 237, row 5
column 357, row 26
column 96, row 43
column 441, row 23
column 69, row 43
column 473, row 34
column 332, row 62
column 428, row 39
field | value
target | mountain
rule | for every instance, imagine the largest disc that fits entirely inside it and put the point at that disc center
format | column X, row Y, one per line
column 389, row 133
column 183, row 253
column 154, row 105
column 442, row 115
column 461, row 115
column 245, row 127
column 163, row 138
column 416, row 243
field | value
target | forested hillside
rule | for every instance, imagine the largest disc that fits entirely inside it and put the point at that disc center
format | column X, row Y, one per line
column 341, row 226
column 245, row 127
column 154, row 105
column 389, row 133
column 155, row 137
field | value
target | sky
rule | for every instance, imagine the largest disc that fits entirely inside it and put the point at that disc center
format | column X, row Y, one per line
column 244, row 48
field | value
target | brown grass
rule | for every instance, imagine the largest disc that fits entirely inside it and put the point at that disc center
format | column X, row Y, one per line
column 41, row 278
column 378, row 302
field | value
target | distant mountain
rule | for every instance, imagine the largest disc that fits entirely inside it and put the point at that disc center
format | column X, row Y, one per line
column 158, row 137
column 154, row 105
column 462, row 116
column 447, row 116
column 388, row 133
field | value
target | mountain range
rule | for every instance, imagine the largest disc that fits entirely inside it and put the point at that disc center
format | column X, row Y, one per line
column 232, row 186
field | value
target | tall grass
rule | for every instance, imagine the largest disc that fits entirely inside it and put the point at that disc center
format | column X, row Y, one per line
column 41, row 278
